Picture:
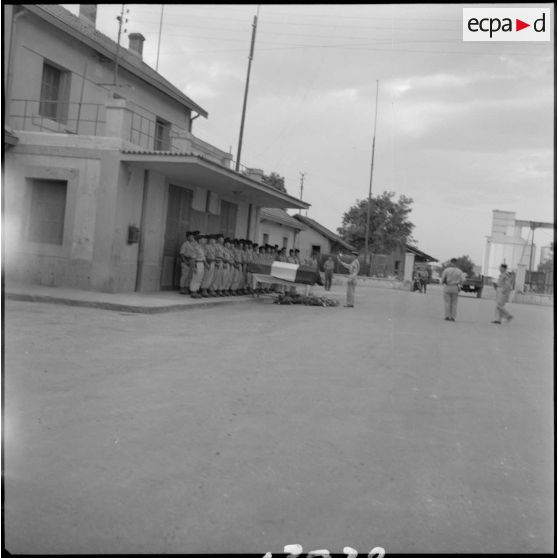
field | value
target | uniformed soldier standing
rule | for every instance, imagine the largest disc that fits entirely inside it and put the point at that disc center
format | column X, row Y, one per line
column 199, row 269
column 452, row 277
column 237, row 264
column 186, row 262
column 228, row 260
column 249, row 258
column 209, row 266
column 354, row 268
column 217, row 286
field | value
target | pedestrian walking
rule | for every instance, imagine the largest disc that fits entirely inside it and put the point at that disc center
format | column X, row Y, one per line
column 503, row 287
column 423, row 279
column 329, row 266
column 354, row 268
column 452, row 277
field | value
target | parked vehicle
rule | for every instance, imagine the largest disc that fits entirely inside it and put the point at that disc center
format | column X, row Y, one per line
column 473, row 284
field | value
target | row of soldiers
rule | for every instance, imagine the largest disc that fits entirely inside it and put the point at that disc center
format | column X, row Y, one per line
column 212, row 265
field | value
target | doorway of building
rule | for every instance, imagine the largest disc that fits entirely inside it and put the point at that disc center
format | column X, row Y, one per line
column 179, row 214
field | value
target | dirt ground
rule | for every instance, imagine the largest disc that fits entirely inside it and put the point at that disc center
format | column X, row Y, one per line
column 249, row 427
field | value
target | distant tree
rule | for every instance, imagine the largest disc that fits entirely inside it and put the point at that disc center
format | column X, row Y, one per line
column 275, row 181
column 389, row 223
column 464, row 263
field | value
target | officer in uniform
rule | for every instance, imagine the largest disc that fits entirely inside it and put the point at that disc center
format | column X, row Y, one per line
column 199, row 266
column 217, row 286
column 237, row 267
column 209, row 266
column 186, row 262
column 228, row 260
column 249, row 259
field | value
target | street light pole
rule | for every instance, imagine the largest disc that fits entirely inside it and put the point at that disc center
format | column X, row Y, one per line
column 371, row 174
column 250, row 57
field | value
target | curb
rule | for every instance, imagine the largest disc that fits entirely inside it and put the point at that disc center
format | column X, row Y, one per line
column 115, row 306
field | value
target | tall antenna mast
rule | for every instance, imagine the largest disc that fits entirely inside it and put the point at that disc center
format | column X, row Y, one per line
column 250, row 57
column 371, row 173
column 159, row 41
column 302, row 175
column 121, row 21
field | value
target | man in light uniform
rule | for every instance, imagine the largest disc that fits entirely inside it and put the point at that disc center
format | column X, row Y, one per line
column 209, row 273
column 503, row 288
column 186, row 262
column 228, row 261
column 199, row 269
column 354, row 268
column 452, row 278
column 217, row 286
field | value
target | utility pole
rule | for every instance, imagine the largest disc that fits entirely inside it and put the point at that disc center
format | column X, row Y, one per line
column 371, row 174
column 159, row 41
column 302, row 175
column 121, row 21
column 250, row 57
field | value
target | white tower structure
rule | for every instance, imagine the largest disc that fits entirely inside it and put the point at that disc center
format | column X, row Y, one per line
column 506, row 245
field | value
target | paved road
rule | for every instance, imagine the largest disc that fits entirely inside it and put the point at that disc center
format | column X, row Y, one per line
column 250, row 427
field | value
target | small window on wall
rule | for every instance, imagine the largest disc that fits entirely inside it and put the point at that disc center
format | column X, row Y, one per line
column 46, row 211
column 316, row 248
column 285, row 241
column 162, row 135
column 55, row 92
column 265, row 238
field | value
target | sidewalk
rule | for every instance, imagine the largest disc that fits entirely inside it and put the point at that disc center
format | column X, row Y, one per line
column 148, row 303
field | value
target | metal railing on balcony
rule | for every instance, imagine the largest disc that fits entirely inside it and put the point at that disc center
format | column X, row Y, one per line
column 57, row 116
column 143, row 129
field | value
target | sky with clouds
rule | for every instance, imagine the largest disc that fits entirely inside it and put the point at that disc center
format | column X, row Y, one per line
column 462, row 127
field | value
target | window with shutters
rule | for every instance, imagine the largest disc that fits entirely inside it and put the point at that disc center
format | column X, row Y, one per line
column 162, row 135
column 55, row 93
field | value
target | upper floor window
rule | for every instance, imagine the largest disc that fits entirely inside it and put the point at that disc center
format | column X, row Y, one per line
column 55, row 92
column 45, row 223
column 162, row 135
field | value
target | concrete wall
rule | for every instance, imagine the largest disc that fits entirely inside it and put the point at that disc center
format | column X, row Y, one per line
column 80, row 60
column 153, row 231
column 309, row 237
column 69, row 263
column 276, row 233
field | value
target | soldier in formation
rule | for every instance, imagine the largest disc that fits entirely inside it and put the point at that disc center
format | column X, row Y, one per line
column 212, row 265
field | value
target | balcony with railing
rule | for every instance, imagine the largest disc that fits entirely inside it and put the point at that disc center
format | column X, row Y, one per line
column 140, row 130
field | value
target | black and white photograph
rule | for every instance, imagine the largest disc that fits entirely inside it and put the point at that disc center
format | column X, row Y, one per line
column 278, row 279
